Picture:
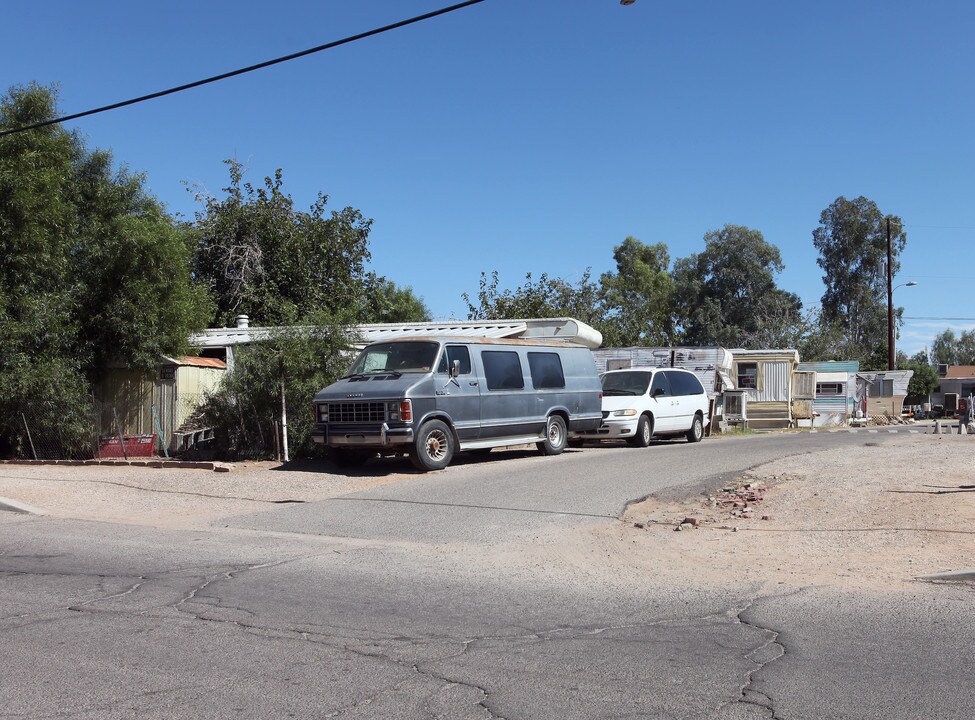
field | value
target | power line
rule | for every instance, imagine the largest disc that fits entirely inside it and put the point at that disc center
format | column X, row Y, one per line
column 241, row 71
column 956, row 319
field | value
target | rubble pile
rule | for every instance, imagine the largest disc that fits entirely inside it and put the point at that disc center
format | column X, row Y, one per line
column 739, row 500
column 884, row 420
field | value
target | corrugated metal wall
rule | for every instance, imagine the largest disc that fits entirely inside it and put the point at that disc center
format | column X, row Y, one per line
column 776, row 382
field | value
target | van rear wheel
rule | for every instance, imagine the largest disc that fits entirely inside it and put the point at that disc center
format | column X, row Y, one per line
column 433, row 447
column 555, row 437
column 697, row 430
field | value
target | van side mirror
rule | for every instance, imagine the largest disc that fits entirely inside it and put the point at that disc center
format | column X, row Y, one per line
column 455, row 369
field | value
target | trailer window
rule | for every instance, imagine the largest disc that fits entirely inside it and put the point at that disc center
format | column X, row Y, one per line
column 748, row 375
column 546, row 370
column 502, row 370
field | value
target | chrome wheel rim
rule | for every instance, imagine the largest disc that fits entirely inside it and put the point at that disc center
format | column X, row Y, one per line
column 646, row 432
column 554, row 433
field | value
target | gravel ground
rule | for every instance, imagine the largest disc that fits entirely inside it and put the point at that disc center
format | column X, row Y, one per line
column 878, row 514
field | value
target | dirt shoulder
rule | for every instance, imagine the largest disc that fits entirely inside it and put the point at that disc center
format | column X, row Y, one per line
column 877, row 514
column 179, row 498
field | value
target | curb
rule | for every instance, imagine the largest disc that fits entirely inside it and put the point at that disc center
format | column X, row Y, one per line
column 952, row 576
column 164, row 464
column 18, row 507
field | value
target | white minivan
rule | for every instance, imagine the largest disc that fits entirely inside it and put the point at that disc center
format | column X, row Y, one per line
column 642, row 403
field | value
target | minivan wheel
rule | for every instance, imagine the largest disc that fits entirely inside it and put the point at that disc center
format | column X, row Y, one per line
column 697, row 430
column 644, row 432
column 433, row 447
column 555, row 437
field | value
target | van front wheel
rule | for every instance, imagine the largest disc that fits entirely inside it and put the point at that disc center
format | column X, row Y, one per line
column 433, row 447
column 555, row 437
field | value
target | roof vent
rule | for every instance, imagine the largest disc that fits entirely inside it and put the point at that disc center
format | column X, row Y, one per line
column 242, row 321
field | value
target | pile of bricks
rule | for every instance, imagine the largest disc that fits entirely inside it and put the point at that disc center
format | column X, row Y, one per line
column 742, row 498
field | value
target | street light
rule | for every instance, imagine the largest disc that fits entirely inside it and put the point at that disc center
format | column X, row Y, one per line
column 890, row 308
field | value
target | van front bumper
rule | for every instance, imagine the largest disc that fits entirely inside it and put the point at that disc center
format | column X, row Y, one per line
column 611, row 428
column 362, row 436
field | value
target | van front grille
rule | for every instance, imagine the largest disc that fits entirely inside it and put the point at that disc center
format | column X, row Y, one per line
column 357, row 412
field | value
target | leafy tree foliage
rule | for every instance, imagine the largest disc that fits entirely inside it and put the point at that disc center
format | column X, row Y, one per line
column 91, row 270
column 727, row 295
column 545, row 297
column 388, row 303
column 638, row 299
column 245, row 407
column 951, row 349
column 260, row 256
column 852, row 244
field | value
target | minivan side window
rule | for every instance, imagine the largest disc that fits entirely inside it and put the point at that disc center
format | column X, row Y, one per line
column 659, row 381
column 502, row 370
column 684, row 383
column 546, row 370
column 455, row 352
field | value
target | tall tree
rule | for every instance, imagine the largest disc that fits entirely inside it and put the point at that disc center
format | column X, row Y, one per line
column 951, row 349
column 260, row 256
column 727, row 294
column 637, row 299
column 91, row 270
column 852, row 244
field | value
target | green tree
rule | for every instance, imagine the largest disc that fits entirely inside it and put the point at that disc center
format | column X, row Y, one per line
column 727, row 294
column 852, row 244
column 637, row 299
column 91, row 270
column 951, row 349
column 244, row 409
column 388, row 303
column 545, row 297
column 260, row 256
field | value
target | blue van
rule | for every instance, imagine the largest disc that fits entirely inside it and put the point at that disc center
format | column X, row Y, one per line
column 430, row 397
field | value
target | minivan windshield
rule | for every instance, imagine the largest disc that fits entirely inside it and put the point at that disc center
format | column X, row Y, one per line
column 395, row 357
column 626, row 383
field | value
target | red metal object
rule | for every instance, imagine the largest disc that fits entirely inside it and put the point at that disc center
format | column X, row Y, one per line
column 135, row 446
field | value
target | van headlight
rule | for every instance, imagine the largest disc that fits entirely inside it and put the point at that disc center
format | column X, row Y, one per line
column 401, row 411
column 630, row 412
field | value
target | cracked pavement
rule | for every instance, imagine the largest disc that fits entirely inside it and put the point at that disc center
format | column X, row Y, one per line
column 322, row 610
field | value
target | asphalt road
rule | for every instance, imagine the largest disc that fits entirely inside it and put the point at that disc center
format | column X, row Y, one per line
column 462, row 594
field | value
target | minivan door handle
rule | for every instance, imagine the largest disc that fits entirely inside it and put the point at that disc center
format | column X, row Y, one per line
column 473, row 383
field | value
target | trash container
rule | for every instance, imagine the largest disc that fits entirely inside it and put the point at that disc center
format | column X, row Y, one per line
column 109, row 446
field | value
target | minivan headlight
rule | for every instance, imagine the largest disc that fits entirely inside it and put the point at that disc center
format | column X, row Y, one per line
column 629, row 412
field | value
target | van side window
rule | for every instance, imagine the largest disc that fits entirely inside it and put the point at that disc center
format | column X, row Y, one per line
column 546, row 370
column 502, row 370
column 659, row 381
column 455, row 352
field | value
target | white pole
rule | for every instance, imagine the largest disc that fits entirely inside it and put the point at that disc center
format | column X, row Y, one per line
column 284, row 414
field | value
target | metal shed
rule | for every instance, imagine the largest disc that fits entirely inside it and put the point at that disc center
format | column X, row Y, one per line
column 175, row 389
column 885, row 392
column 836, row 390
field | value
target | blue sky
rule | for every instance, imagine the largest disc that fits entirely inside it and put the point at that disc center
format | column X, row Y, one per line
column 534, row 136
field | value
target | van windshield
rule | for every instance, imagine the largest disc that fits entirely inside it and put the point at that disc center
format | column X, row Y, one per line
column 395, row 357
column 625, row 383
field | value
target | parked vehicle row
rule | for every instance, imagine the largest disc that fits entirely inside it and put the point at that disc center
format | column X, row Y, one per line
column 432, row 397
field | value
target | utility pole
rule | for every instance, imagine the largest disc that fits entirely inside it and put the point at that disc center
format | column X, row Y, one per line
column 890, row 302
